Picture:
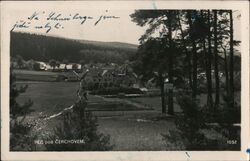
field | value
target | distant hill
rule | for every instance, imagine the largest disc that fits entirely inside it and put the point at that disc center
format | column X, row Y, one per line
column 109, row 44
column 44, row 48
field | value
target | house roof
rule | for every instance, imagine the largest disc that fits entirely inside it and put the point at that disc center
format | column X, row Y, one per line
column 62, row 66
column 40, row 62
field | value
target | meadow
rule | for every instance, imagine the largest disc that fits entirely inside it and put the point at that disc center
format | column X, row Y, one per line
column 130, row 127
column 132, row 123
column 30, row 75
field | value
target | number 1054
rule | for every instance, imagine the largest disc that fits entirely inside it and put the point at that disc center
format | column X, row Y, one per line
column 231, row 141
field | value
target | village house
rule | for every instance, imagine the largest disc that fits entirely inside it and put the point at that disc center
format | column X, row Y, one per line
column 92, row 79
column 107, row 78
column 38, row 65
column 110, row 77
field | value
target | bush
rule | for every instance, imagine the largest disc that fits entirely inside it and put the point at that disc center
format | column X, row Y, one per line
column 227, row 116
column 237, row 84
column 79, row 125
column 199, row 129
column 21, row 138
column 189, row 126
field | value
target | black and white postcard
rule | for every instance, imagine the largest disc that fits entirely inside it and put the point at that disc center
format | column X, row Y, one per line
column 123, row 80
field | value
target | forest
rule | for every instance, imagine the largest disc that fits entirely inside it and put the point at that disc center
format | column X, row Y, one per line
column 197, row 53
column 44, row 48
column 183, row 44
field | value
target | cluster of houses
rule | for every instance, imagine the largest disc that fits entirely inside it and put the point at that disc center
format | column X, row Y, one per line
column 38, row 65
column 110, row 76
column 99, row 76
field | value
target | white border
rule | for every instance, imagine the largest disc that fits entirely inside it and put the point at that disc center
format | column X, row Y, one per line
column 7, row 7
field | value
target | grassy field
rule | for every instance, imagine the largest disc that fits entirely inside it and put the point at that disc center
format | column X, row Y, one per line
column 53, row 97
column 136, row 134
column 33, row 72
column 131, row 129
column 35, row 75
column 132, row 123
column 155, row 102
column 49, row 97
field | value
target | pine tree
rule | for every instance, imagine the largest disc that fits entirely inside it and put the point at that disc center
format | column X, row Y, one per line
column 155, row 19
column 231, row 61
column 184, row 46
column 79, row 125
column 216, row 72
column 194, row 52
column 208, row 65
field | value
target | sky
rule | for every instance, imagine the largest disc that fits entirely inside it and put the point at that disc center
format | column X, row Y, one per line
column 118, row 29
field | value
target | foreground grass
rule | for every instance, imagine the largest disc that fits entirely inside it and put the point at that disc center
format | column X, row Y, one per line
column 131, row 129
column 49, row 97
column 136, row 134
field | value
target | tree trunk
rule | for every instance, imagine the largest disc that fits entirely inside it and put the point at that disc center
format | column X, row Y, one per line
column 186, row 52
column 216, row 72
column 231, row 62
column 170, row 64
column 226, row 71
column 163, row 101
column 194, row 51
column 208, row 63
column 208, row 67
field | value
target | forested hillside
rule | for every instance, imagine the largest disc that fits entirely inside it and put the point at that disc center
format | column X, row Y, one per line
column 44, row 48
